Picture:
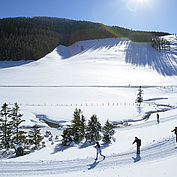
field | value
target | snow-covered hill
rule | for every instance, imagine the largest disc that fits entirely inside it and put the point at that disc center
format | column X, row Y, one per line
column 100, row 77
column 98, row 62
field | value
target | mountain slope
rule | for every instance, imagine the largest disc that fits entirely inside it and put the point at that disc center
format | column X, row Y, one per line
column 101, row 62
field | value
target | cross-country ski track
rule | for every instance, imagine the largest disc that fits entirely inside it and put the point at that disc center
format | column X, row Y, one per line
column 153, row 152
column 156, row 151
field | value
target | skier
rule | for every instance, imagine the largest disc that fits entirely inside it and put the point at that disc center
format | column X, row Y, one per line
column 138, row 144
column 175, row 131
column 158, row 120
column 98, row 148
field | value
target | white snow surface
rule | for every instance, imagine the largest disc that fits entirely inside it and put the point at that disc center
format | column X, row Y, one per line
column 100, row 77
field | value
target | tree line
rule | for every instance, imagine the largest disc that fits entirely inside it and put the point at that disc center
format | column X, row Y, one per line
column 160, row 43
column 12, row 134
column 24, row 38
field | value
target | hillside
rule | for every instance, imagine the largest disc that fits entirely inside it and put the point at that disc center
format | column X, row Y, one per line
column 32, row 38
column 102, row 62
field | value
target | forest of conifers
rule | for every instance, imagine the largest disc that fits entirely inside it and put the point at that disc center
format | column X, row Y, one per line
column 24, row 38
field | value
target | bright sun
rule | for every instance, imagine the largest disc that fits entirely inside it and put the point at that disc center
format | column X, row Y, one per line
column 141, row 1
column 134, row 5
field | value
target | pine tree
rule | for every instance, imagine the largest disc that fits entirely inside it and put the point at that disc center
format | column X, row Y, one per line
column 18, row 135
column 22, row 137
column 83, row 127
column 93, row 130
column 5, row 127
column 78, row 126
column 67, row 136
column 108, row 132
column 35, row 137
column 139, row 98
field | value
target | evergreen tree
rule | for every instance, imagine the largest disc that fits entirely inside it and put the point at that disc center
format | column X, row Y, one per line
column 78, row 126
column 18, row 135
column 93, row 130
column 35, row 137
column 22, row 137
column 5, row 127
column 67, row 136
column 139, row 98
column 83, row 127
column 108, row 132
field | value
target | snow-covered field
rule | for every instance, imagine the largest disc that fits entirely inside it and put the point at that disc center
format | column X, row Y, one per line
column 100, row 77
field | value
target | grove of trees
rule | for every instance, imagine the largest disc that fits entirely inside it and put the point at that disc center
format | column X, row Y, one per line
column 90, row 133
column 160, row 43
column 12, row 134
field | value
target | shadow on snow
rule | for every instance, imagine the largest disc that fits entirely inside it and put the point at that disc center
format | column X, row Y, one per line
column 143, row 55
column 94, row 164
column 137, row 158
column 60, row 147
column 83, row 46
column 9, row 64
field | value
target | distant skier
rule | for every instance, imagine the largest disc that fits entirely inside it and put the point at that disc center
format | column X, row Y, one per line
column 98, row 148
column 138, row 144
column 158, row 119
column 175, row 131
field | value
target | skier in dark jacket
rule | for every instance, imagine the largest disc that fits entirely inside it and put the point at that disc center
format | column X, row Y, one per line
column 158, row 119
column 138, row 144
column 175, row 131
column 98, row 148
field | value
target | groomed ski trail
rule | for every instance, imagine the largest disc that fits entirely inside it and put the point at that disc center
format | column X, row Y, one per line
column 156, row 151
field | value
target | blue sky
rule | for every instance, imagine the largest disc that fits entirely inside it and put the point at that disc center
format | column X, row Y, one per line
column 149, row 15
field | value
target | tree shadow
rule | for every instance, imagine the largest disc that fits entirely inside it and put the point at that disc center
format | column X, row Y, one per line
column 86, row 144
column 104, row 145
column 137, row 158
column 94, row 164
column 60, row 147
column 143, row 55
column 13, row 156
column 80, row 47
column 9, row 64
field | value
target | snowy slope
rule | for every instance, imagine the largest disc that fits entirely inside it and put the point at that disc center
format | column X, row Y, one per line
column 102, row 62
column 100, row 77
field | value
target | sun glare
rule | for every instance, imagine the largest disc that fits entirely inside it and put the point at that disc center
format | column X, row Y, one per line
column 134, row 5
column 141, row 1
